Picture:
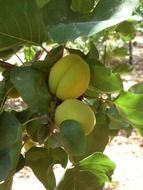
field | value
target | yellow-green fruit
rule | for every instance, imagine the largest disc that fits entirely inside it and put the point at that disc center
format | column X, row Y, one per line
column 69, row 77
column 76, row 110
column 14, row 93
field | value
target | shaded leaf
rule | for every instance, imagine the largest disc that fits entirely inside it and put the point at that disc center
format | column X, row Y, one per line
column 32, row 87
column 100, row 135
column 53, row 56
column 10, row 130
column 42, row 3
column 93, row 53
column 79, row 180
column 9, row 159
column 2, row 91
column 21, row 22
column 116, row 121
column 40, row 161
column 59, row 156
column 122, row 68
column 82, row 6
column 73, row 137
column 37, row 131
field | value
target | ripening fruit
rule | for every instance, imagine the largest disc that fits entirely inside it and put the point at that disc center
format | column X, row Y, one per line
column 73, row 109
column 69, row 77
column 13, row 93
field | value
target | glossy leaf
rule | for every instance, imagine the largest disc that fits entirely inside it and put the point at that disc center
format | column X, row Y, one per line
column 73, row 137
column 32, row 87
column 100, row 165
column 130, row 106
column 105, row 80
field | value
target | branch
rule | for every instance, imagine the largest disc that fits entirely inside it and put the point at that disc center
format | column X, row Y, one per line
column 6, row 65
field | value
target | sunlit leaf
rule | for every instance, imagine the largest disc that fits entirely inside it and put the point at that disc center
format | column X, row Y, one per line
column 130, row 105
column 105, row 80
column 100, row 165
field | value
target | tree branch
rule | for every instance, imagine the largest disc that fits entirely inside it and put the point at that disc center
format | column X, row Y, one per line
column 6, row 65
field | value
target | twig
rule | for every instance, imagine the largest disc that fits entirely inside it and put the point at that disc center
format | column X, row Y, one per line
column 6, row 65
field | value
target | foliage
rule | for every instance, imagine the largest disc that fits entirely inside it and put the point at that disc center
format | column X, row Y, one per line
column 40, row 33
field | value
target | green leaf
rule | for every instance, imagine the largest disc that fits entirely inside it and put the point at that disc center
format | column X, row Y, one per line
column 99, row 137
column 122, row 68
column 126, row 27
column 105, row 80
column 32, row 87
column 42, row 3
column 2, row 91
column 21, row 163
column 21, row 22
column 37, row 131
column 116, row 121
column 119, row 52
column 100, row 165
column 40, row 161
column 32, row 22
column 10, row 130
column 53, row 56
column 29, row 53
column 74, row 179
column 82, row 6
column 130, row 106
column 59, row 156
column 71, row 25
column 9, row 156
column 73, row 137
column 93, row 53
column 137, row 88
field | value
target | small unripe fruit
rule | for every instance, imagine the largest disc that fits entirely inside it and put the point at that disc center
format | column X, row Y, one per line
column 69, row 77
column 73, row 109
